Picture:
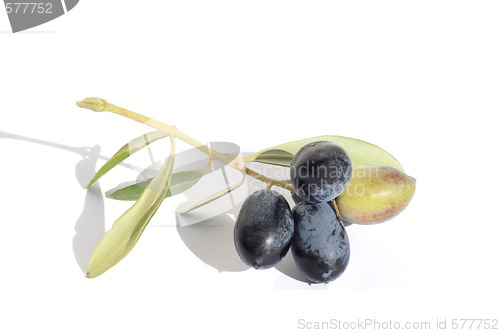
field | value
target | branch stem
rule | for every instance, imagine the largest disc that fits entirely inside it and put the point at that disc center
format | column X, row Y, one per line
column 101, row 105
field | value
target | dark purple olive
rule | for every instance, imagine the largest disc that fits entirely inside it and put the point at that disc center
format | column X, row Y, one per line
column 320, row 171
column 320, row 246
column 263, row 229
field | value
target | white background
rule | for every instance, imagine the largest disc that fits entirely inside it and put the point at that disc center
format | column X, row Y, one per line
column 418, row 78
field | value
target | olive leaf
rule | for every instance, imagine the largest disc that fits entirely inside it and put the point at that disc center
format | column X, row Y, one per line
column 272, row 156
column 214, row 196
column 180, row 182
column 128, row 149
column 361, row 153
column 127, row 230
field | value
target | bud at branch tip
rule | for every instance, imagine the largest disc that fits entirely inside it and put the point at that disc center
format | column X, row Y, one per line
column 92, row 103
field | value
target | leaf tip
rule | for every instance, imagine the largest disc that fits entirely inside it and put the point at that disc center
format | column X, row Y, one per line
column 91, row 182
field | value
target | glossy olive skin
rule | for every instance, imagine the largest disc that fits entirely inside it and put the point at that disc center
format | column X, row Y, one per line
column 298, row 199
column 263, row 229
column 320, row 246
column 320, row 171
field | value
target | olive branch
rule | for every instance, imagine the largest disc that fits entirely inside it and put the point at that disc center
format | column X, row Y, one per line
column 149, row 194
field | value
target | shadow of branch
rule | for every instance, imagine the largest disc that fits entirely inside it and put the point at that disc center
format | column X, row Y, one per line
column 90, row 226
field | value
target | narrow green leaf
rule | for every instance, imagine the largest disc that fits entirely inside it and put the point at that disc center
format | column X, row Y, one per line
column 180, row 182
column 214, row 197
column 125, row 233
column 273, row 156
column 127, row 150
column 361, row 153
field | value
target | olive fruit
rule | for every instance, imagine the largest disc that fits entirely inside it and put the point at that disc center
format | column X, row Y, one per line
column 298, row 199
column 263, row 229
column 375, row 195
column 320, row 246
column 320, row 171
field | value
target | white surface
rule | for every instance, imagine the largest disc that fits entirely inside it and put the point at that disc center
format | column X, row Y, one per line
column 419, row 79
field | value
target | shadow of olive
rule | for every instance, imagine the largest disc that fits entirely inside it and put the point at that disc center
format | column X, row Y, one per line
column 212, row 242
column 287, row 266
